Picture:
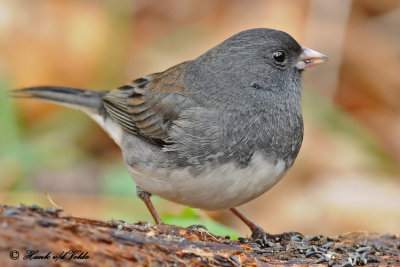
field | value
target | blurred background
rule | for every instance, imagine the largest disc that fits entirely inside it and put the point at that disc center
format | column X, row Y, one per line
column 347, row 175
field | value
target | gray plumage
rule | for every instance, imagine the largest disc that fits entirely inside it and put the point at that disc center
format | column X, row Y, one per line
column 233, row 102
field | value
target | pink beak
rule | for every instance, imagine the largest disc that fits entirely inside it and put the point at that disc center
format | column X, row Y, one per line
column 310, row 58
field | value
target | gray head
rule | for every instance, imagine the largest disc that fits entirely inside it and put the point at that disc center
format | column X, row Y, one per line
column 256, row 65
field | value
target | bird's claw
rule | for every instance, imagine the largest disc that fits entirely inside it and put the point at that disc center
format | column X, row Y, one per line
column 198, row 227
column 266, row 239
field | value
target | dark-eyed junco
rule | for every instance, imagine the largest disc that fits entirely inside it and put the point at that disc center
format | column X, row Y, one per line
column 211, row 133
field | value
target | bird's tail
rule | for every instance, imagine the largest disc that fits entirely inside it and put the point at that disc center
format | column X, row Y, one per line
column 86, row 100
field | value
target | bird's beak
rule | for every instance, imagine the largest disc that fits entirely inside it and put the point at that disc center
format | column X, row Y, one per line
column 309, row 58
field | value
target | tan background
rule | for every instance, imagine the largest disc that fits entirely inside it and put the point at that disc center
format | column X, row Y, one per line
column 346, row 177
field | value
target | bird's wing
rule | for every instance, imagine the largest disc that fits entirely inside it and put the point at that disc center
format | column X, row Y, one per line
column 147, row 106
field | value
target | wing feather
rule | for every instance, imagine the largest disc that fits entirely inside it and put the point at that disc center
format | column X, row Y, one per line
column 139, row 108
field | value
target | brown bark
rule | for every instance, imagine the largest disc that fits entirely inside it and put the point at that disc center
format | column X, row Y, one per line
column 54, row 239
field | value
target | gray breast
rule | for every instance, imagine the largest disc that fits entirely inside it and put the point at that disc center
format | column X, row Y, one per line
column 235, row 137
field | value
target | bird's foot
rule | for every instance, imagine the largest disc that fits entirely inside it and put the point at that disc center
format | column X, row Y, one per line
column 263, row 238
column 198, row 227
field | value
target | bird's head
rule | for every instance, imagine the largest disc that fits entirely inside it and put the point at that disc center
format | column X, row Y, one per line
column 258, row 59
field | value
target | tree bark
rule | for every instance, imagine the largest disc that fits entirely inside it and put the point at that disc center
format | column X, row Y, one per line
column 31, row 236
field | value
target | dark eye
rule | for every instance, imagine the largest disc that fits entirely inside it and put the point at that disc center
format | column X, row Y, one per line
column 279, row 56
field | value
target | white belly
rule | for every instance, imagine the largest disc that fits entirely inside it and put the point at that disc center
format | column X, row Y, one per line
column 217, row 188
column 224, row 187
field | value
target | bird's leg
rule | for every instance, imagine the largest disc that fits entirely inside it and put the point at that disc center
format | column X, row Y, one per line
column 145, row 196
column 257, row 233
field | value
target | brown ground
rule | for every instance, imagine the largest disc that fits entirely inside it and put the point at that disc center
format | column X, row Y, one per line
column 85, row 242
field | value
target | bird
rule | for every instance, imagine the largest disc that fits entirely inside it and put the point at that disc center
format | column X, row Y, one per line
column 211, row 133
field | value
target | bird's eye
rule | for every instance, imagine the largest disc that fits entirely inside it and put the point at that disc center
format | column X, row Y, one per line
column 279, row 56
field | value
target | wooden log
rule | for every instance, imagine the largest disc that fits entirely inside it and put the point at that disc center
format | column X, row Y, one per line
column 33, row 236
